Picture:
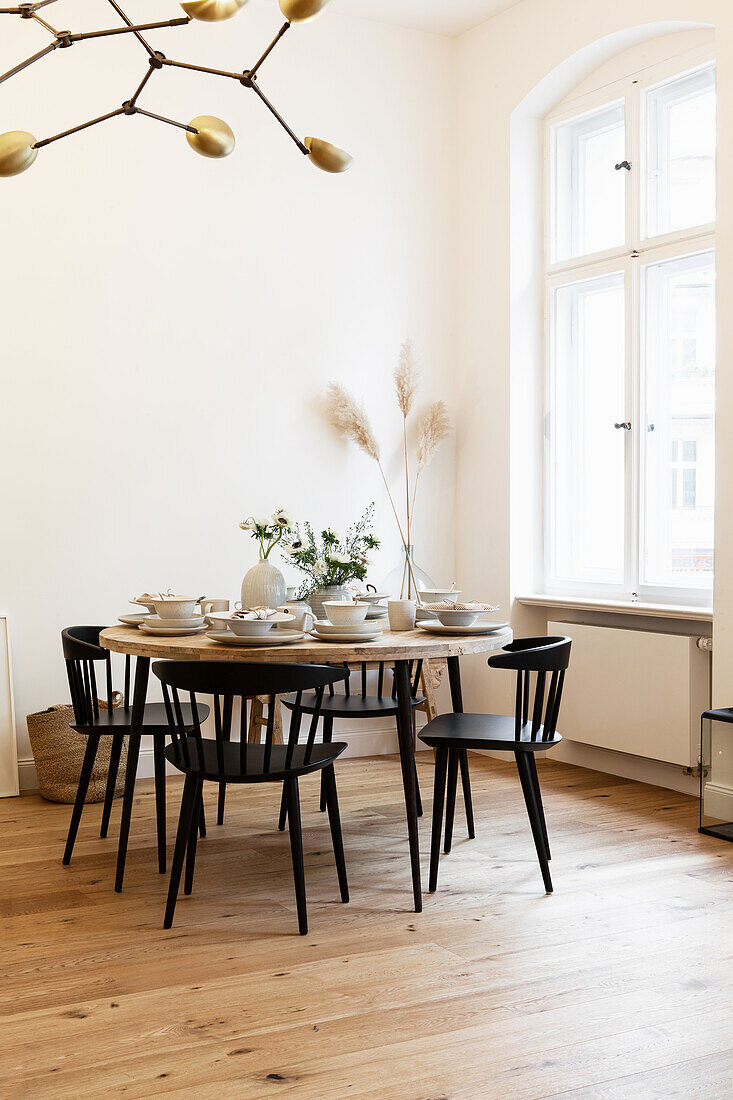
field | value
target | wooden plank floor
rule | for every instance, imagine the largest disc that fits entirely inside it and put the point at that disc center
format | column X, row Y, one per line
column 620, row 985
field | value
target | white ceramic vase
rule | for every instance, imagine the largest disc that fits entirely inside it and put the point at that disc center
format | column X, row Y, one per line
column 263, row 586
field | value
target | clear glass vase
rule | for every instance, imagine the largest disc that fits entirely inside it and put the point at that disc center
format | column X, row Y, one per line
column 407, row 578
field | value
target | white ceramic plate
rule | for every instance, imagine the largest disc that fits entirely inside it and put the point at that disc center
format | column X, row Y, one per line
column 377, row 613
column 483, row 627
column 346, row 637
column 323, row 626
column 157, row 623
column 132, row 620
column 373, row 597
column 274, row 637
column 171, row 632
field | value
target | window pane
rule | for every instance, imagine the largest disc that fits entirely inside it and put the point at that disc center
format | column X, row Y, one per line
column 679, row 443
column 681, row 153
column 586, row 452
column 589, row 194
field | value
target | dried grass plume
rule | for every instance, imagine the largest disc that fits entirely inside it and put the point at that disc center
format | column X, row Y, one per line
column 348, row 416
column 433, row 427
column 405, row 378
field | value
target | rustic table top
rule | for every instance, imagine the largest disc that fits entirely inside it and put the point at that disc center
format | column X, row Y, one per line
column 408, row 645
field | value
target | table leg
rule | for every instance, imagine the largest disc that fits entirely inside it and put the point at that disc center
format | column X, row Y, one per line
column 407, row 760
column 454, row 676
column 142, row 669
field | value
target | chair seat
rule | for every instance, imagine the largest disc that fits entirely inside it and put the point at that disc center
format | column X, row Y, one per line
column 321, row 756
column 155, row 719
column 484, row 731
column 351, row 706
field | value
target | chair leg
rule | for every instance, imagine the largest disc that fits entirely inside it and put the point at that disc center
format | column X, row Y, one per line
column 109, row 794
column 538, row 798
column 334, row 819
column 450, row 808
column 81, row 792
column 441, row 764
column 467, row 799
column 296, row 849
column 534, row 817
column 142, row 669
column 193, row 833
column 159, row 763
column 327, row 739
column 202, row 820
column 220, row 804
column 188, row 804
column 283, row 811
column 417, row 785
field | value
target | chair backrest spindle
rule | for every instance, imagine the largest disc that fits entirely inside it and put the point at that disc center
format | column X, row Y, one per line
column 536, row 656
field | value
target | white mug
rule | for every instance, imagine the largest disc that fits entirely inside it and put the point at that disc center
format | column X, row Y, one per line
column 207, row 606
column 304, row 618
column 402, row 614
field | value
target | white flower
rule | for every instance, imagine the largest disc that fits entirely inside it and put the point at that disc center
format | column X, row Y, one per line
column 294, row 550
column 340, row 559
column 262, row 521
column 320, row 568
column 281, row 517
column 248, row 525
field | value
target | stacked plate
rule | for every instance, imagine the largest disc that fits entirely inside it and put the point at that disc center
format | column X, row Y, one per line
column 356, row 632
column 173, row 628
column 481, row 625
column 273, row 637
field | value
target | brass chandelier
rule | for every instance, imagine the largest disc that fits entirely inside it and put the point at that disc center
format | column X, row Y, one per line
column 207, row 135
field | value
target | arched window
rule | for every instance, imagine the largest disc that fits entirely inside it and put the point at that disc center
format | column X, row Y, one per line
column 630, row 337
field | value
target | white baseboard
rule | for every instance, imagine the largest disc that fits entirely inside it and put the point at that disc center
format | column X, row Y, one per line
column 718, row 801
column 376, row 741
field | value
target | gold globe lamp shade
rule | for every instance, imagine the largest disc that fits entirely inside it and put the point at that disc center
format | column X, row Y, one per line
column 327, row 157
column 214, row 138
column 212, row 11
column 301, row 11
column 16, row 152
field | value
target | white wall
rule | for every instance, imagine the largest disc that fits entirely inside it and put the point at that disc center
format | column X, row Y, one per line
column 169, row 323
column 502, row 63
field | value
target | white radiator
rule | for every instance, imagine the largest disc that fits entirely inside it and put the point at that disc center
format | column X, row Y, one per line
column 635, row 691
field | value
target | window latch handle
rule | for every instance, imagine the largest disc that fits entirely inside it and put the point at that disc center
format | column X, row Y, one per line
column 623, row 164
column 625, row 424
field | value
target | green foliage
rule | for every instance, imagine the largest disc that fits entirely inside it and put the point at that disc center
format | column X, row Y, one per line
column 329, row 560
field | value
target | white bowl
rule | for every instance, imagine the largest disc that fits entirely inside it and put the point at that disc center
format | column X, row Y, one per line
column 175, row 607
column 435, row 595
column 155, row 620
column 248, row 628
column 345, row 614
column 322, row 626
column 457, row 618
column 374, row 597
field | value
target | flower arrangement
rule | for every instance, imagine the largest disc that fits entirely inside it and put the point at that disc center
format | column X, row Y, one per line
column 331, row 560
column 269, row 530
column 349, row 417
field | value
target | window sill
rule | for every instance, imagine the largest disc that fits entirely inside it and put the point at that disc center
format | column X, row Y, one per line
column 622, row 607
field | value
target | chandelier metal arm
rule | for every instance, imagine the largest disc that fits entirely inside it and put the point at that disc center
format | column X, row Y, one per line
column 130, row 24
column 29, row 61
column 42, row 4
column 131, row 29
column 200, row 68
column 258, row 91
column 76, row 129
column 141, row 85
column 162, row 118
column 285, row 27
column 44, row 24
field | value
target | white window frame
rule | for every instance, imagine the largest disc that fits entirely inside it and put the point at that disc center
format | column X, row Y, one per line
column 629, row 258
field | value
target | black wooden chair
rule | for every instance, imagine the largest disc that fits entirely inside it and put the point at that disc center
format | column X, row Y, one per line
column 222, row 760
column 82, row 652
column 358, row 704
column 523, row 734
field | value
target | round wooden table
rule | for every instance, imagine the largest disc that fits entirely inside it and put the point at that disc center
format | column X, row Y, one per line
column 397, row 648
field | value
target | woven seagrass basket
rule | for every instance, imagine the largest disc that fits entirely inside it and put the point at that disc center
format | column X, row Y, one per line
column 58, row 752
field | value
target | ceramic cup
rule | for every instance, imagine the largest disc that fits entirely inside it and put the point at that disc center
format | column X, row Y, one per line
column 207, row 606
column 304, row 618
column 402, row 614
